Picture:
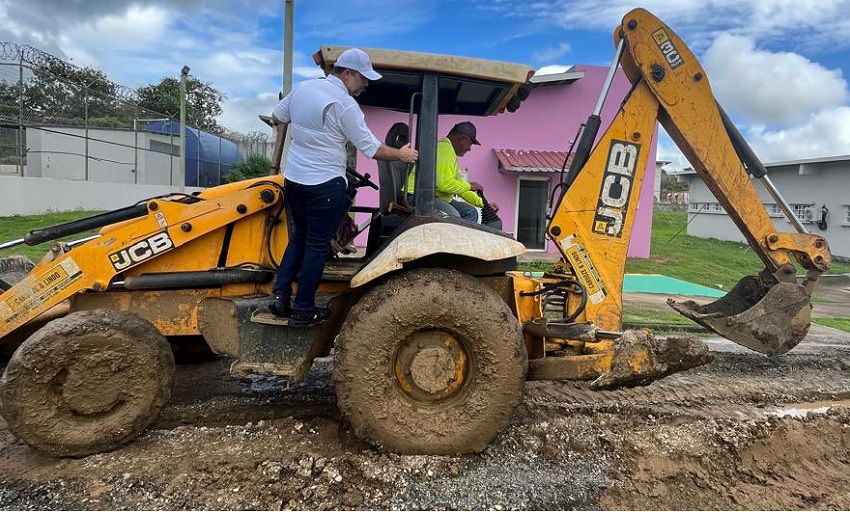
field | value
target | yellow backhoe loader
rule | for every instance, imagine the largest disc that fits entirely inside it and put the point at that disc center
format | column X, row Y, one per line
column 434, row 331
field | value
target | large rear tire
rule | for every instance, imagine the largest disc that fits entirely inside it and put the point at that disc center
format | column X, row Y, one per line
column 430, row 362
column 86, row 383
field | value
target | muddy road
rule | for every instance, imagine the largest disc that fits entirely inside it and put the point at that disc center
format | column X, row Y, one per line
column 743, row 432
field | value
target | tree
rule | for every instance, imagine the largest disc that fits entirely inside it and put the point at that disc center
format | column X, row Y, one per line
column 671, row 183
column 203, row 102
column 9, row 97
column 255, row 165
column 60, row 92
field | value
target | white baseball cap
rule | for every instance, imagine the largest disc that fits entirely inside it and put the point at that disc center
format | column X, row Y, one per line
column 356, row 59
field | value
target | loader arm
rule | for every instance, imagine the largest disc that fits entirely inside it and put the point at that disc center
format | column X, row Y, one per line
column 91, row 267
column 592, row 223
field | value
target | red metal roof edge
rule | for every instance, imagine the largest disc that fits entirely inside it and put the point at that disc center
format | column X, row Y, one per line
column 510, row 159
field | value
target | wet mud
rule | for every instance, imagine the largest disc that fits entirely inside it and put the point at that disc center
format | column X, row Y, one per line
column 742, row 432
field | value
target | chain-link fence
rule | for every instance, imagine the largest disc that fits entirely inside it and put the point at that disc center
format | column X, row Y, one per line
column 60, row 121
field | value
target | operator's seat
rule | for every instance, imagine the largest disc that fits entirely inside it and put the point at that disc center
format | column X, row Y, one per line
column 392, row 176
column 392, row 181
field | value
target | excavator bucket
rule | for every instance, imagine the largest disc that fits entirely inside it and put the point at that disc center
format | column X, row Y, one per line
column 13, row 269
column 771, row 319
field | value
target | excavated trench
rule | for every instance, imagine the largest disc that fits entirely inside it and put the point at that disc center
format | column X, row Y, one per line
column 743, row 432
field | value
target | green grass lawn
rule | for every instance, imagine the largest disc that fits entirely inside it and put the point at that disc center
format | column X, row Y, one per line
column 12, row 228
column 842, row 324
column 704, row 261
column 708, row 262
column 641, row 316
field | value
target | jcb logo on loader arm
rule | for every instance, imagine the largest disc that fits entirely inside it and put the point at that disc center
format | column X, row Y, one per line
column 141, row 251
column 671, row 54
column 616, row 189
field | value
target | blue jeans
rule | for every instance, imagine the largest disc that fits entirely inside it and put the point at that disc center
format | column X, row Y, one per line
column 457, row 209
column 467, row 212
column 315, row 212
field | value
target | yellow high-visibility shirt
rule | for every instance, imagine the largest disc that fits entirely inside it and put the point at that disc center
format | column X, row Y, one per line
column 449, row 180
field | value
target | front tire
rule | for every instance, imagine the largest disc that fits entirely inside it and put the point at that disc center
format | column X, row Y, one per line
column 86, row 383
column 430, row 362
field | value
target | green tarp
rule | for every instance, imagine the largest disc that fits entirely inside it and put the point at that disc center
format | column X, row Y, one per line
column 656, row 283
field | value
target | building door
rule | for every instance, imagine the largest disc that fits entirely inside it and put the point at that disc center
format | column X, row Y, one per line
column 531, row 212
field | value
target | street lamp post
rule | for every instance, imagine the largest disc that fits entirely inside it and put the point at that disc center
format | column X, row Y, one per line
column 181, row 183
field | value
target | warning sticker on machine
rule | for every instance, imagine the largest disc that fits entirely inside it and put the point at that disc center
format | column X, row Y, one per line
column 584, row 269
column 33, row 291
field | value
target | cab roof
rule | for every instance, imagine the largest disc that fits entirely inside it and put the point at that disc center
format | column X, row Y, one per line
column 467, row 86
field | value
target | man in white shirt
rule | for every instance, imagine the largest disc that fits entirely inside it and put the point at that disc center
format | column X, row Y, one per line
column 322, row 115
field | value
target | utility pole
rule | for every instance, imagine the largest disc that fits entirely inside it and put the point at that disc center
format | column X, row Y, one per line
column 181, row 178
column 289, row 8
column 288, row 37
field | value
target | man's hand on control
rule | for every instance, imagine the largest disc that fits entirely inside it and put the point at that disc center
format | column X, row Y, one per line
column 408, row 154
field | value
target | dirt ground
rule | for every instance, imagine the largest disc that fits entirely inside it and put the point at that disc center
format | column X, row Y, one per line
column 743, row 432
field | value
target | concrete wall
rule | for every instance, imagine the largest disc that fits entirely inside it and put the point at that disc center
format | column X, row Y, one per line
column 31, row 196
column 815, row 184
column 120, row 170
column 547, row 120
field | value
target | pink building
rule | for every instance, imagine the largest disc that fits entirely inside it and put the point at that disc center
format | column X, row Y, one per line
column 547, row 121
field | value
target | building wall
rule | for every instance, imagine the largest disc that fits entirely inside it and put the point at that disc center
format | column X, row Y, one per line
column 808, row 184
column 120, row 171
column 114, row 156
column 32, row 196
column 548, row 120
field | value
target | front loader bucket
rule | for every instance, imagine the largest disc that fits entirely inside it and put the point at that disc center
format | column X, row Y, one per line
column 13, row 269
column 771, row 323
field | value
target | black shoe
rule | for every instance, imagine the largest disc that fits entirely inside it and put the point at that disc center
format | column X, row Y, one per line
column 280, row 307
column 309, row 318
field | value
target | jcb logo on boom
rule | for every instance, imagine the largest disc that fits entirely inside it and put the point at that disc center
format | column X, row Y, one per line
column 616, row 189
column 141, row 251
column 671, row 54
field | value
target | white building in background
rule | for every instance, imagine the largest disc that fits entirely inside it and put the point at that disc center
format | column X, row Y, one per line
column 659, row 173
column 102, row 155
column 817, row 189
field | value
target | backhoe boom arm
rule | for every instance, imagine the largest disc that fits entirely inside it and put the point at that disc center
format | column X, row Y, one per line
column 593, row 221
column 691, row 116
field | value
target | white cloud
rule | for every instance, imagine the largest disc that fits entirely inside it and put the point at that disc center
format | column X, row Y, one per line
column 825, row 133
column 668, row 151
column 768, row 87
column 815, row 23
column 307, row 71
column 138, row 27
column 550, row 54
column 241, row 114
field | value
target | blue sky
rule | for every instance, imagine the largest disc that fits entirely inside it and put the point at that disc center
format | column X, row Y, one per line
column 779, row 67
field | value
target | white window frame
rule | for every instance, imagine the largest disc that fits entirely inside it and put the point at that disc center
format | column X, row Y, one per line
column 705, row 207
column 799, row 208
column 516, row 208
column 846, row 215
column 773, row 210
